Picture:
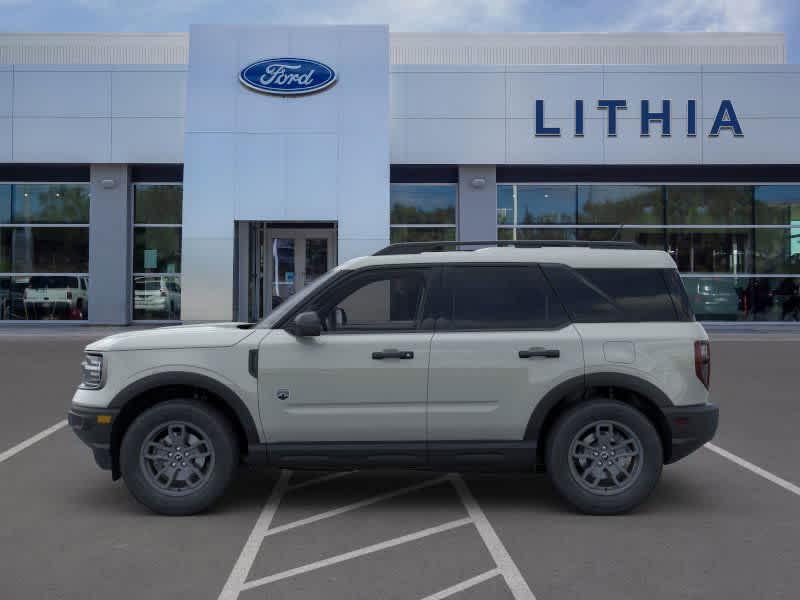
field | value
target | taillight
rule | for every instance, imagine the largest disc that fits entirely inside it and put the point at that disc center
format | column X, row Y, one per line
column 702, row 361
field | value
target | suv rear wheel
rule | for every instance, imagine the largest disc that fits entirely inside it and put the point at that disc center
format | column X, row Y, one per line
column 178, row 457
column 604, row 457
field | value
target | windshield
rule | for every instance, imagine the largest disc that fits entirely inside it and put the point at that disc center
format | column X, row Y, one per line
column 290, row 303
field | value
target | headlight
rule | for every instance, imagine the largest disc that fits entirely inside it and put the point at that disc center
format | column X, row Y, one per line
column 92, row 372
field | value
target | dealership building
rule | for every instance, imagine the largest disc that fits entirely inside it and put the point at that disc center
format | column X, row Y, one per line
column 208, row 175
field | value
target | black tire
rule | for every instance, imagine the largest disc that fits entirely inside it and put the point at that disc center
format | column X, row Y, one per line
column 198, row 417
column 618, row 421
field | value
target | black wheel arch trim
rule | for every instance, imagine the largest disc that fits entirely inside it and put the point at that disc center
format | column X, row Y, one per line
column 186, row 378
column 577, row 387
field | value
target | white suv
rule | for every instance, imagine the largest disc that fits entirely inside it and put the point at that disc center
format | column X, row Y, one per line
column 583, row 359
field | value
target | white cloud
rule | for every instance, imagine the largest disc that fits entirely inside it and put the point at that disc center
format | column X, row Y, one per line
column 416, row 15
column 705, row 15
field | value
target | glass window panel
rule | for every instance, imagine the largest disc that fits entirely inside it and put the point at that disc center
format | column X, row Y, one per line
column 723, row 298
column 423, row 204
column 156, row 297
column 709, row 205
column 157, row 249
column 422, row 234
column 49, row 203
column 777, row 205
column 389, row 299
column 712, row 250
column 545, row 234
column 624, row 204
column 505, row 204
column 316, row 258
column 641, row 294
column 158, row 204
column 5, row 203
column 778, row 250
column 492, row 298
column 785, row 296
column 505, row 233
column 538, row 204
column 652, row 239
column 44, row 298
column 44, row 249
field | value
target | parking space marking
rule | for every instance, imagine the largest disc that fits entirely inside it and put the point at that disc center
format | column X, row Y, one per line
column 326, row 562
column 505, row 566
column 248, row 554
column 464, row 585
column 355, row 506
column 4, row 456
column 316, row 480
column 514, row 580
column 788, row 486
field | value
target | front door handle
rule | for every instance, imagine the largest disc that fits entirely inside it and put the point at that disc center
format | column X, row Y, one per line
column 392, row 353
column 540, row 353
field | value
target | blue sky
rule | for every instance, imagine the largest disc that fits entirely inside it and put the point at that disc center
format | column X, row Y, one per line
column 414, row 15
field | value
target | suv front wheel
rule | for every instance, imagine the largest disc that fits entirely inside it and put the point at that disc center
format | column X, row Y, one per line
column 178, row 457
column 604, row 457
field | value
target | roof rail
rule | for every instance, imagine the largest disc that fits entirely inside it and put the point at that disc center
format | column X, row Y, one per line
column 419, row 247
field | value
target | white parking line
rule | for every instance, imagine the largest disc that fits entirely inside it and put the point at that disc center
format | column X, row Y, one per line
column 355, row 505
column 248, row 554
column 31, row 441
column 514, row 579
column 788, row 486
column 316, row 480
column 464, row 585
column 357, row 553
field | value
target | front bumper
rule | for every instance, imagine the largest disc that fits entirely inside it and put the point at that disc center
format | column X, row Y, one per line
column 691, row 427
column 94, row 432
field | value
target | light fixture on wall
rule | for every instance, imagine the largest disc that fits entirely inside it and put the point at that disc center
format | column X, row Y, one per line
column 108, row 183
column 478, row 182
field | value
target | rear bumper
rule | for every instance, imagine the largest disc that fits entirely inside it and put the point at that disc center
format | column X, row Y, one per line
column 97, row 436
column 690, row 427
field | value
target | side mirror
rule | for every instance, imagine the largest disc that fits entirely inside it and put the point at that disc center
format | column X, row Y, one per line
column 307, row 324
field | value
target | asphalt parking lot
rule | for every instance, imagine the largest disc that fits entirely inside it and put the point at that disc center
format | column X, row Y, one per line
column 713, row 529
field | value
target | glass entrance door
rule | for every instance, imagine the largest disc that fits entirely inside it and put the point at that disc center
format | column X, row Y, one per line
column 283, row 261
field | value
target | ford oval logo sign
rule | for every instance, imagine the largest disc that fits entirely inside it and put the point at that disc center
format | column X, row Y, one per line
column 287, row 76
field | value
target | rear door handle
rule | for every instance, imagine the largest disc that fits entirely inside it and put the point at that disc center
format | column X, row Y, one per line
column 392, row 353
column 540, row 353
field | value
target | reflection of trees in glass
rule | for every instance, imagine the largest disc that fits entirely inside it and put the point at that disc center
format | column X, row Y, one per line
column 412, row 215
column 623, row 204
column 774, row 251
column 158, row 204
column 545, row 204
column 422, row 234
column 423, row 204
column 45, row 203
column 709, row 205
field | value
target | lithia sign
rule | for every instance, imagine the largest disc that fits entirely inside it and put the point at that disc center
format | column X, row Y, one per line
column 725, row 120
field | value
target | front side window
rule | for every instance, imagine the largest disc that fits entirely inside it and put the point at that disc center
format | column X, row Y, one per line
column 381, row 300
column 157, row 214
column 499, row 298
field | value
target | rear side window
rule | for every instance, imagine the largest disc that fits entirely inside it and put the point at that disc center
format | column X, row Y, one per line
column 614, row 295
column 500, row 298
column 678, row 293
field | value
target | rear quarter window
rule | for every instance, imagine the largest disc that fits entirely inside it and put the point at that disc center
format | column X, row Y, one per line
column 616, row 295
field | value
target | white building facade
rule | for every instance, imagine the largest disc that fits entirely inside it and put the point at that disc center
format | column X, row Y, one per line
column 143, row 177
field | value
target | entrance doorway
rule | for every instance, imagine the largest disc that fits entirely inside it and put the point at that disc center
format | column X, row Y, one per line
column 283, row 259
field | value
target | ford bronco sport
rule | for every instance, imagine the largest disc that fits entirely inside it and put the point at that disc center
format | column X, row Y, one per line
column 582, row 359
